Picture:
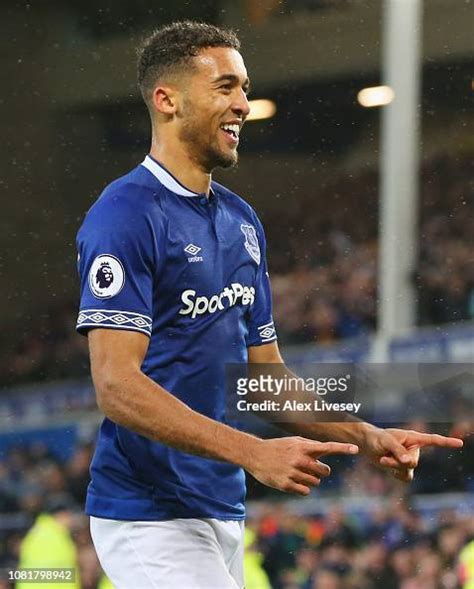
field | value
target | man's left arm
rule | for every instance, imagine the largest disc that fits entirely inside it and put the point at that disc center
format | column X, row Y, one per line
column 395, row 449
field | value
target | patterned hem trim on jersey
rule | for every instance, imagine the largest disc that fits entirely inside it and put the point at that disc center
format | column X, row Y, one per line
column 116, row 319
column 270, row 339
column 267, row 332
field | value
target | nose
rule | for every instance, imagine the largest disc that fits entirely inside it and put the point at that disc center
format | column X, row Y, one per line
column 241, row 104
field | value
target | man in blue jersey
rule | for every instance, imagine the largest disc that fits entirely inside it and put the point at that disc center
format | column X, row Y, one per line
column 175, row 286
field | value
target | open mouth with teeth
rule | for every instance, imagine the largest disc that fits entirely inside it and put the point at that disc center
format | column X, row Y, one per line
column 232, row 131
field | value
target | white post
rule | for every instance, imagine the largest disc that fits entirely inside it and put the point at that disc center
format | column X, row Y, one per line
column 402, row 33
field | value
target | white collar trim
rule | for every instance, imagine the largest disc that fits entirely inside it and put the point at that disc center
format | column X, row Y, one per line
column 166, row 178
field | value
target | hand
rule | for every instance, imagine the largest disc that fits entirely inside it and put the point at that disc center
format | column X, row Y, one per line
column 399, row 449
column 291, row 464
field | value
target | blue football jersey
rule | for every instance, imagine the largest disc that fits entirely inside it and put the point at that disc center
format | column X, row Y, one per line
column 190, row 273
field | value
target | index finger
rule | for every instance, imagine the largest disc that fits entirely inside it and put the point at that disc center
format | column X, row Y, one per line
column 437, row 440
column 322, row 448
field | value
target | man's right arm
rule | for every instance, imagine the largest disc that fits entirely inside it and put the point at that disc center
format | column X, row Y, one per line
column 131, row 399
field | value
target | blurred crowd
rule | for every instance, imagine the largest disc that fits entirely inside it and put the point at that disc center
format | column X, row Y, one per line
column 325, row 286
column 445, row 273
column 323, row 263
column 32, row 477
column 389, row 545
column 50, row 349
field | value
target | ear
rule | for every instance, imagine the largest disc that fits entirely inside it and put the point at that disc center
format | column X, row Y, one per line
column 164, row 99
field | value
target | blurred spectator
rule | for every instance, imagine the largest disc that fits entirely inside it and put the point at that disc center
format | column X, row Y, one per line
column 255, row 575
column 77, row 471
column 466, row 566
column 327, row 579
column 49, row 544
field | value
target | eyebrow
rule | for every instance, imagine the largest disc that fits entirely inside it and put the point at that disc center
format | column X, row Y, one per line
column 234, row 79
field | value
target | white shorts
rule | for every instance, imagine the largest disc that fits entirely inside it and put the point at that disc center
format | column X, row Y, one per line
column 172, row 554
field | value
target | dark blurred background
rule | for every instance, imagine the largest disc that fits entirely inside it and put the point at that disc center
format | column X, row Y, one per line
column 72, row 121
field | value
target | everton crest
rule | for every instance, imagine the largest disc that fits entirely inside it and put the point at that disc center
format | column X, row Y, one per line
column 251, row 241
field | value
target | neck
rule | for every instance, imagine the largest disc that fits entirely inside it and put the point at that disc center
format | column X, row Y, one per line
column 179, row 162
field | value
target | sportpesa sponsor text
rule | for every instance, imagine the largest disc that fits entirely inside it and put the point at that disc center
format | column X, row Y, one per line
column 231, row 295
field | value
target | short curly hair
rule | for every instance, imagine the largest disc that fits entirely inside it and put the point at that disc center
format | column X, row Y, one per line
column 172, row 47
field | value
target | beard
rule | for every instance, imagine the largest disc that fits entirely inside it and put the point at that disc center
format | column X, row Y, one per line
column 207, row 154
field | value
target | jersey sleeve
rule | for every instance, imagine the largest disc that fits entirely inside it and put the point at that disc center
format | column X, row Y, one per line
column 261, row 329
column 116, row 261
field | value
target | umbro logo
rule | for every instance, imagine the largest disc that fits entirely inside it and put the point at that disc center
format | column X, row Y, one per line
column 193, row 250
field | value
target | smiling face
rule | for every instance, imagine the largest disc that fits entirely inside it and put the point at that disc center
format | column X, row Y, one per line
column 214, row 107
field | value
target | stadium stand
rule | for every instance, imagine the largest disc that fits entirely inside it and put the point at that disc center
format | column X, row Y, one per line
column 380, row 536
column 324, row 286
